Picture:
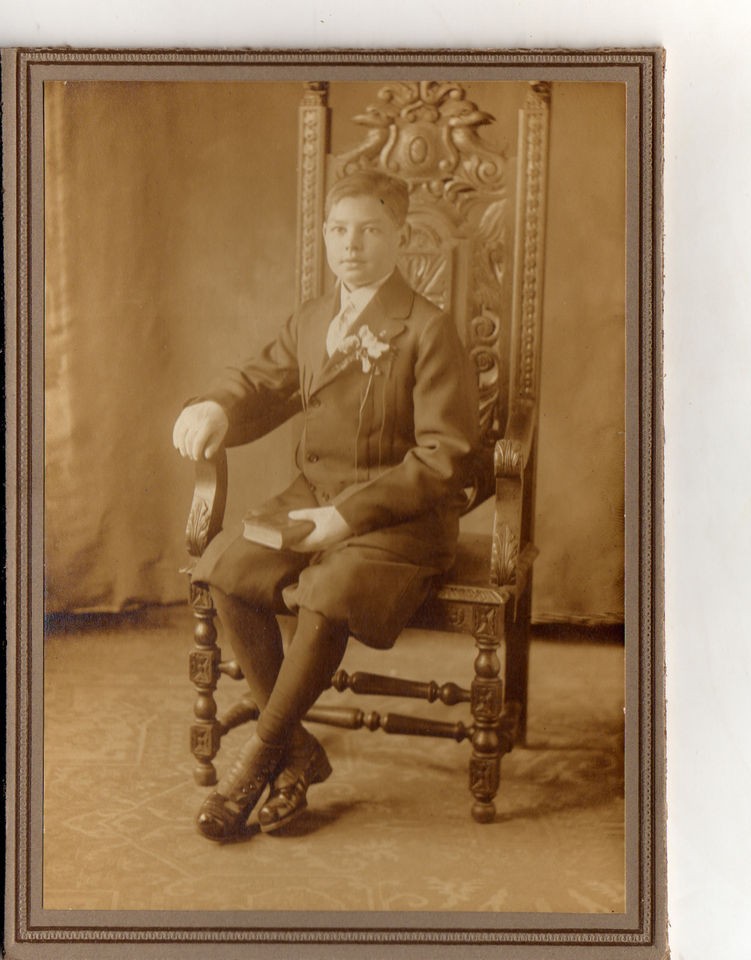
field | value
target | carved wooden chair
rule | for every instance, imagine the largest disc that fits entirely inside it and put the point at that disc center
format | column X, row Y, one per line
column 477, row 225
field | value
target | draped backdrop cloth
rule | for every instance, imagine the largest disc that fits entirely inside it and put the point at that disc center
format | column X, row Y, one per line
column 170, row 213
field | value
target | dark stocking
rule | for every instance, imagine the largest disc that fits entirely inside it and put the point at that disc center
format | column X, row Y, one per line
column 256, row 642
column 314, row 654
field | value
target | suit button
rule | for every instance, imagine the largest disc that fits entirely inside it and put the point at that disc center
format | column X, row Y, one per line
column 313, row 457
column 325, row 496
column 315, row 402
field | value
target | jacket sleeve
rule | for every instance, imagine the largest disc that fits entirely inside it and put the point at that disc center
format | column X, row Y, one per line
column 261, row 392
column 446, row 432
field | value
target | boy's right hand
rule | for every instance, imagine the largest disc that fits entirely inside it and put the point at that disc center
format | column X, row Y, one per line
column 200, row 429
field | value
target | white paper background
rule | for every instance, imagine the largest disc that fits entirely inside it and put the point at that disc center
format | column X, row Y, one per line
column 708, row 349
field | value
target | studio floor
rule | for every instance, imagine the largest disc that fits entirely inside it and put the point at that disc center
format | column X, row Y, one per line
column 390, row 830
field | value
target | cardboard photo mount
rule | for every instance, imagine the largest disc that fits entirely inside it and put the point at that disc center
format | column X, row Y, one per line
column 35, row 932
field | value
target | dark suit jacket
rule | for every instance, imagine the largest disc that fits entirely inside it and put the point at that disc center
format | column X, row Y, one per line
column 389, row 446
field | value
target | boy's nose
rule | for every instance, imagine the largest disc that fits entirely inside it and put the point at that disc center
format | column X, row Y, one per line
column 353, row 240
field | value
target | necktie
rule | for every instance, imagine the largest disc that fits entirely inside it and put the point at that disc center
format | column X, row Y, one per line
column 339, row 327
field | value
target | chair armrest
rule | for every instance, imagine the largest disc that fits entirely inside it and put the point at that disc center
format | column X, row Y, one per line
column 209, row 499
column 511, row 454
column 511, row 528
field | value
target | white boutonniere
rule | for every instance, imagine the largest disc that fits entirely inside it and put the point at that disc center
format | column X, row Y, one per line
column 369, row 349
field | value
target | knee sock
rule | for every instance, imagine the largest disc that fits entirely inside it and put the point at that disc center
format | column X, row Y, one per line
column 256, row 642
column 314, row 654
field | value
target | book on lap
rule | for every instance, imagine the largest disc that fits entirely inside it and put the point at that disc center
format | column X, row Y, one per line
column 275, row 529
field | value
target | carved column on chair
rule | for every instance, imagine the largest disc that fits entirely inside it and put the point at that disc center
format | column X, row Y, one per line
column 313, row 137
column 529, row 255
column 205, row 733
column 204, row 522
column 486, row 704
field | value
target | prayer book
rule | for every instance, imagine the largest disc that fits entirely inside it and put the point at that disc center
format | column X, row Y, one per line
column 275, row 529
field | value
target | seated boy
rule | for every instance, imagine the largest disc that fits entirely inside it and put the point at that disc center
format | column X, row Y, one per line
column 390, row 423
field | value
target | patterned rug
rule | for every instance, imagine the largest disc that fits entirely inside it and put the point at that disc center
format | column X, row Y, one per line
column 390, row 830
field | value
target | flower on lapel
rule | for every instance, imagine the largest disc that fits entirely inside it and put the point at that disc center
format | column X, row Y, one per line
column 365, row 347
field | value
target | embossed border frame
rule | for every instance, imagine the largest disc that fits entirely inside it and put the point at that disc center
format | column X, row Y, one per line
column 34, row 932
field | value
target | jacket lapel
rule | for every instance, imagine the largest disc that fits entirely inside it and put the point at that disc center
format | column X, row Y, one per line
column 314, row 357
column 384, row 316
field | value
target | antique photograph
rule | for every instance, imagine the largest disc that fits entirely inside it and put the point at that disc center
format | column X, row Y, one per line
column 336, row 398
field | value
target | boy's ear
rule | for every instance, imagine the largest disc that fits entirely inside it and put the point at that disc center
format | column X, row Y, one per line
column 405, row 234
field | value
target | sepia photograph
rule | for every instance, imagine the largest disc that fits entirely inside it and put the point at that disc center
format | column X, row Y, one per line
column 336, row 594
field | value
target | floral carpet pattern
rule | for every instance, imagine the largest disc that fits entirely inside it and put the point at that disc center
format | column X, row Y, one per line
column 390, row 830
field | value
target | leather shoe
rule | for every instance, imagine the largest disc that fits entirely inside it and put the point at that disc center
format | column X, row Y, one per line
column 224, row 812
column 306, row 763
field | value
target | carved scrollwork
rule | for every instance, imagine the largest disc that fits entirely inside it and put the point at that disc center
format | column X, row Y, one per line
column 484, row 360
column 200, row 596
column 484, row 776
column 426, row 130
column 488, row 371
column 457, row 615
column 430, row 274
column 505, row 554
column 428, row 259
column 197, row 529
column 485, row 621
column 485, row 328
column 202, row 666
column 508, row 458
column 487, row 700
column 489, row 267
column 203, row 741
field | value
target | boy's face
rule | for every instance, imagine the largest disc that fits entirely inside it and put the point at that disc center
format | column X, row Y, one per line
column 362, row 241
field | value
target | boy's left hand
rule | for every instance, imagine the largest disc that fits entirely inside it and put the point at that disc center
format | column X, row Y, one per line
column 331, row 528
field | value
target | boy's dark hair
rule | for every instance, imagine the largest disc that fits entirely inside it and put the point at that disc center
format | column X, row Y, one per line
column 391, row 191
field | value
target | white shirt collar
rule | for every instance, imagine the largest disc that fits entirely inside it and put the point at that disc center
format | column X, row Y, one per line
column 360, row 297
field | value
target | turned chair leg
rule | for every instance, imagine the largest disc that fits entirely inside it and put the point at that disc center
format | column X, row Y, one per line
column 205, row 733
column 486, row 706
